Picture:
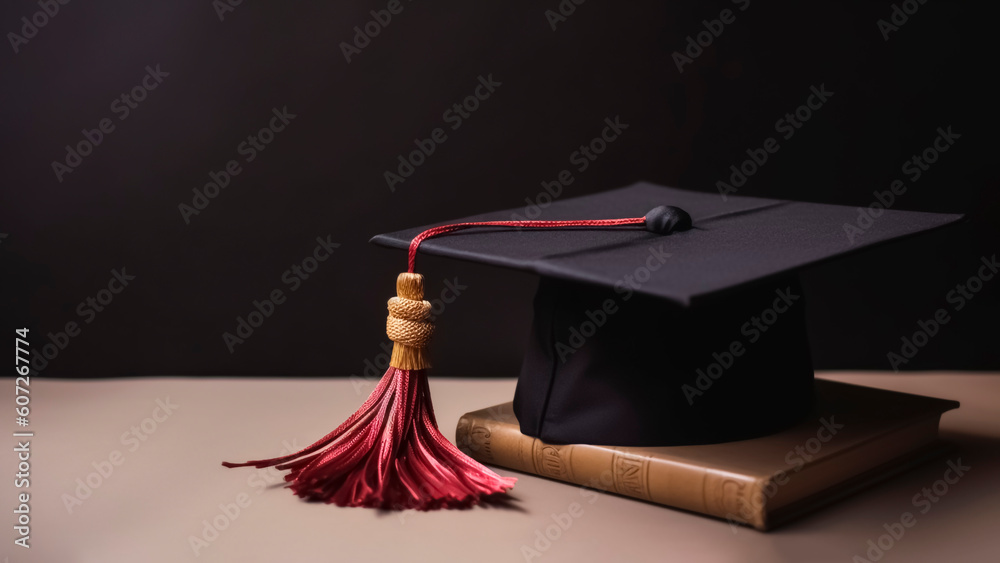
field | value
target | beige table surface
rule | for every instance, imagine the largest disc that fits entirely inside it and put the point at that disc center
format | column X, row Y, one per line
column 167, row 486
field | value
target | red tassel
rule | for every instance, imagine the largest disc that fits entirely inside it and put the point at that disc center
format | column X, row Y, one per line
column 389, row 454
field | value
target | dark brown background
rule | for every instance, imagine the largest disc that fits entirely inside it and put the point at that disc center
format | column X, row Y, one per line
column 323, row 174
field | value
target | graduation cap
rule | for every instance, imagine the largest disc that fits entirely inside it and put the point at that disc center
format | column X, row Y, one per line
column 662, row 317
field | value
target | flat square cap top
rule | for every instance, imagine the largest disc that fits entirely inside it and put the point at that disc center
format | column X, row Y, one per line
column 731, row 243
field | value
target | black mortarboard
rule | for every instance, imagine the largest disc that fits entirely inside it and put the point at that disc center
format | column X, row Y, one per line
column 697, row 336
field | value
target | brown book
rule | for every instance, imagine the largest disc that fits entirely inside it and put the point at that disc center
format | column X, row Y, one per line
column 854, row 436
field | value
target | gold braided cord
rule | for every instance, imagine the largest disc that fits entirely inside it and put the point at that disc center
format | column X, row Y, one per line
column 407, row 324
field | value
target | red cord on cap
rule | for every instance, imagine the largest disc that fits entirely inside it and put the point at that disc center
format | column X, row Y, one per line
column 444, row 229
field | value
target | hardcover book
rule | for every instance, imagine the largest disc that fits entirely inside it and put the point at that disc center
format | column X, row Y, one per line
column 854, row 436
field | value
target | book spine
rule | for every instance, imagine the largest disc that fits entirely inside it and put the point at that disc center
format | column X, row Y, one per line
column 496, row 439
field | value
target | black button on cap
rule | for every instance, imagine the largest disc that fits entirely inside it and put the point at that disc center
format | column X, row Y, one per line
column 667, row 219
